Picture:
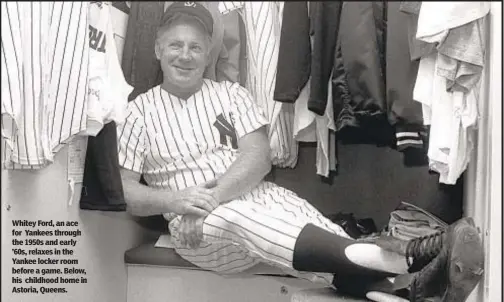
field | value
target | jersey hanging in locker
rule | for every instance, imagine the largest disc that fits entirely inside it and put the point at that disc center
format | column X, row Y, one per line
column 44, row 62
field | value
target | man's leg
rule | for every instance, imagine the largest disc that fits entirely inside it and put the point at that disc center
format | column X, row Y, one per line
column 220, row 257
column 278, row 227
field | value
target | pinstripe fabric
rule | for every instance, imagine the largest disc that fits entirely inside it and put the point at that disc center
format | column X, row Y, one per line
column 175, row 143
column 229, row 6
column 22, row 70
column 261, row 226
column 44, row 64
column 69, row 58
column 263, row 23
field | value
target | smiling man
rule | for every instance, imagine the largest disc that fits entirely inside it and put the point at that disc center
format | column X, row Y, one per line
column 203, row 151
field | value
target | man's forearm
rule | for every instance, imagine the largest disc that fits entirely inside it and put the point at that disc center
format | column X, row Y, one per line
column 244, row 174
column 145, row 201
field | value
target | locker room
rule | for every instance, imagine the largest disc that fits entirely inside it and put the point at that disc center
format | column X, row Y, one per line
column 359, row 136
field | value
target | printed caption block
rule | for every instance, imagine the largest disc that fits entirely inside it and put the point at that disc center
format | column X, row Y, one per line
column 44, row 259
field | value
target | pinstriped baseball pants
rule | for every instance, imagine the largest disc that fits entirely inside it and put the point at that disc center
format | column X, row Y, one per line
column 261, row 226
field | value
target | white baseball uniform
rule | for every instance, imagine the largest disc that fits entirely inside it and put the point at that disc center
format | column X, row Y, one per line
column 108, row 90
column 44, row 66
column 263, row 21
column 179, row 143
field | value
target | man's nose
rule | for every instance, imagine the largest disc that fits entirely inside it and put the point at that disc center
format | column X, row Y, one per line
column 185, row 54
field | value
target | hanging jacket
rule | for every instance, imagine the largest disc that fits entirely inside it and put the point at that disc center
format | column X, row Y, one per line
column 139, row 63
column 344, row 114
column 404, row 113
column 362, row 34
column 325, row 23
column 359, row 81
column 294, row 53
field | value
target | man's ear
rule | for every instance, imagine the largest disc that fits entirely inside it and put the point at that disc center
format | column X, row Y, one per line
column 209, row 51
column 157, row 50
column 208, row 58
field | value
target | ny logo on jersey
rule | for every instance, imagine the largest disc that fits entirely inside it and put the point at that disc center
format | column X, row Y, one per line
column 226, row 130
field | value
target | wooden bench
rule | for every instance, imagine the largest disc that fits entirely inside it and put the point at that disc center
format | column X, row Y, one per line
column 159, row 274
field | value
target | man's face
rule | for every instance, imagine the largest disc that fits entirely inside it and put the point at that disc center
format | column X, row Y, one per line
column 183, row 52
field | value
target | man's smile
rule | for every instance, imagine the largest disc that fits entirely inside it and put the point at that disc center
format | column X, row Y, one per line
column 184, row 68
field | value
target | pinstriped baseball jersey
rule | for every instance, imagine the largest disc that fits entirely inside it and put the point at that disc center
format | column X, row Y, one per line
column 67, row 101
column 44, row 64
column 263, row 23
column 179, row 143
column 24, row 33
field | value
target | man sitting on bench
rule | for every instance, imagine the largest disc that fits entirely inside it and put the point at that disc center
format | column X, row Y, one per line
column 203, row 151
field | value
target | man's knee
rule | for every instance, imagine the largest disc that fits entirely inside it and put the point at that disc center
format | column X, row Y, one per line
column 227, row 217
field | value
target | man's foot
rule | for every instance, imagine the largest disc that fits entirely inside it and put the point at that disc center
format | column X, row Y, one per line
column 447, row 263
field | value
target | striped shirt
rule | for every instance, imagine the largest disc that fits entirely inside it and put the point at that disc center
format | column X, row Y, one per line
column 44, row 66
column 263, row 21
column 178, row 143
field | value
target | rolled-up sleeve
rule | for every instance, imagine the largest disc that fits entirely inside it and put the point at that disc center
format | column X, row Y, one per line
column 246, row 115
column 132, row 140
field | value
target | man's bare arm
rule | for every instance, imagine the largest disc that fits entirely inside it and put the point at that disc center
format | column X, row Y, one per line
column 252, row 164
column 146, row 201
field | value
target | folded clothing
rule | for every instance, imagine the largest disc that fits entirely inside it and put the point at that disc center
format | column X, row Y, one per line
column 408, row 222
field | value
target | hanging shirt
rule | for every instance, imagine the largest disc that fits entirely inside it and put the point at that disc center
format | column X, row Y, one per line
column 450, row 79
column 262, row 23
column 102, row 186
column 108, row 89
column 311, row 127
column 45, row 74
column 452, row 116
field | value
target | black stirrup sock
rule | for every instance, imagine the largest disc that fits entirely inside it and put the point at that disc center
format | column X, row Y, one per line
column 317, row 250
